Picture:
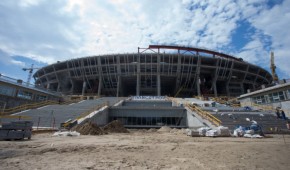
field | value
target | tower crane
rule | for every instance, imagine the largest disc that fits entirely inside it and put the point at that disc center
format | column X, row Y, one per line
column 29, row 73
column 273, row 68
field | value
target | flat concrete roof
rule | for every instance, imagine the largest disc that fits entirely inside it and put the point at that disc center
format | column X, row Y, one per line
column 265, row 90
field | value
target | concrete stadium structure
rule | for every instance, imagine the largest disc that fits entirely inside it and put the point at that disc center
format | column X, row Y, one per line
column 185, row 72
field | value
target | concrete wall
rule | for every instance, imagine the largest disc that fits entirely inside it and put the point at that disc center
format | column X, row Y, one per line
column 125, row 113
column 100, row 117
column 147, row 112
column 148, row 103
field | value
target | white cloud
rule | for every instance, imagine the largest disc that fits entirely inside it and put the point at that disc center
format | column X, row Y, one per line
column 51, row 31
column 273, row 23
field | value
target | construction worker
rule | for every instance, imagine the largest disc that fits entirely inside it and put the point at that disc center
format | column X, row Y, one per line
column 283, row 116
column 277, row 113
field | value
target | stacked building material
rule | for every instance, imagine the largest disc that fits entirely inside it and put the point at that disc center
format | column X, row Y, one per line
column 16, row 130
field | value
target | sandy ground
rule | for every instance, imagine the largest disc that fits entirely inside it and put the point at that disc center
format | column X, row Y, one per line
column 140, row 150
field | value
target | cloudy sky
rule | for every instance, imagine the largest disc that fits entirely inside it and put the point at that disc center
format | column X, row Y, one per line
column 42, row 32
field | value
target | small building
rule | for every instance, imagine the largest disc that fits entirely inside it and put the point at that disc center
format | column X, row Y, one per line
column 275, row 96
column 15, row 92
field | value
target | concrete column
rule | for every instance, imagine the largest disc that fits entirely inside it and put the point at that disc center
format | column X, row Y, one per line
column 198, row 86
column 227, row 89
column 214, row 89
column 242, row 88
column 58, row 87
column 158, row 85
column 100, row 85
column 138, row 85
column 100, row 76
column 138, row 77
column 197, row 75
column 119, row 86
column 84, row 87
column 158, row 76
column 178, row 73
column 215, row 75
column 48, row 86
column 229, row 79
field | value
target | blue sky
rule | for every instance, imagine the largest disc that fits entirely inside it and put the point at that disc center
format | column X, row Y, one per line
column 42, row 32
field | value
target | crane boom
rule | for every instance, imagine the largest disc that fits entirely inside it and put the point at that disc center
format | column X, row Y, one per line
column 29, row 73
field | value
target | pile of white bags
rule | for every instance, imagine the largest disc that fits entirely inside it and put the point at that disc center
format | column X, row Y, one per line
column 202, row 131
column 66, row 133
column 223, row 131
column 211, row 133
column 239, row 132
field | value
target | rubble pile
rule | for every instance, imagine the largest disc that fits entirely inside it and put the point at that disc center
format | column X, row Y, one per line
column 151, row 130
column 88, row 128
column 115, row 127
column 164, row 129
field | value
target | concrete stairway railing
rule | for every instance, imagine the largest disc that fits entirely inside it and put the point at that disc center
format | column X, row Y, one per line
column 205, row 115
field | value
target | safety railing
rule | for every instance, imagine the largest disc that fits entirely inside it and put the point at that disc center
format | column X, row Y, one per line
column 26, row 107
column 264, row 107
column 14, row 117
column 84, row 114
column 205, row 115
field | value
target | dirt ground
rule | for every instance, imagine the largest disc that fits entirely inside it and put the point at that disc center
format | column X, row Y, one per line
column 143, row 150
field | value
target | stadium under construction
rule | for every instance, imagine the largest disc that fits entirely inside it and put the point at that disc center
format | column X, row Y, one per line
column 148, row 89
column 183, row 71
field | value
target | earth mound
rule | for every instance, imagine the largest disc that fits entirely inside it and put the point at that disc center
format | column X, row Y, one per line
column 164, row 129
column 115, row 127
column 88, row 128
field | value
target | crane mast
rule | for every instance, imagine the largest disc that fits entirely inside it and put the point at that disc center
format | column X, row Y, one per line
column 29, row 73
column 273, row 68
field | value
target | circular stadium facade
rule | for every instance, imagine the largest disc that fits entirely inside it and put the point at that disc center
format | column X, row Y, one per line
column 185, row 72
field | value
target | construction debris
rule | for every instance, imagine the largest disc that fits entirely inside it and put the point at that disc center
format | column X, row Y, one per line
column 88, row 128
column 164, row 129
column 115, row 127
column 223, row 131
column 66, row 133
column 16, row 130
column 211, row 133
column 192, row 133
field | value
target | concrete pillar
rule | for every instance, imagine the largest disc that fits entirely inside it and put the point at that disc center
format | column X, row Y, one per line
column 48, row 86
column 227, row 89
column 100, row 76
column 84, row 88
column 100, row 86
column 158, row 76
column 58, row 87
column 138, row 77
column 197, row 75
column 158, row 85
column 214, row 89
column 119, row 87
column 178, row 71
column 198, row 86
column 242, row 88
column 138, row 85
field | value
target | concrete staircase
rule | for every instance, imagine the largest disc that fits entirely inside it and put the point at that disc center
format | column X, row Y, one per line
column 52, row 115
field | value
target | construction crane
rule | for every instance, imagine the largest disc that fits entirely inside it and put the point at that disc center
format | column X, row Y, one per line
column 273, row 68
column 29, row 74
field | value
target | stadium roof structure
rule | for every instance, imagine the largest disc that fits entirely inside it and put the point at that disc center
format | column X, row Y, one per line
column 188, row 71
